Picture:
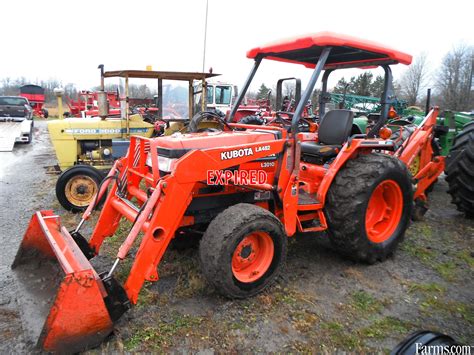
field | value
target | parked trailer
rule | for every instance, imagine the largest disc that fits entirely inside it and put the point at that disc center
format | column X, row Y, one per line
column 35, row 95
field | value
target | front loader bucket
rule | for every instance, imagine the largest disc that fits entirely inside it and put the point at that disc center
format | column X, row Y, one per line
column 61, row 297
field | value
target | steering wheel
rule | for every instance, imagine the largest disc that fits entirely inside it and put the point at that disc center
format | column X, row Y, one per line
column 198, row 117
column 303, row 123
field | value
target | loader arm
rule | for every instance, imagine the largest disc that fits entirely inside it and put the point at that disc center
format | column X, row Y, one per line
column 162, row 210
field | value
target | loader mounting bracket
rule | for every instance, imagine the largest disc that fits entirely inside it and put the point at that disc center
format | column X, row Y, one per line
column 83, row 244
column 116, row 301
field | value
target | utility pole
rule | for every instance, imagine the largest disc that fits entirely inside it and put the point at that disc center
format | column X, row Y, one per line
column 205, row 38
column 469, row 92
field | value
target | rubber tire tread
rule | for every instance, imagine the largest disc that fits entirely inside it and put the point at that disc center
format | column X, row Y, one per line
column 459, row 170
column 221, row 238
column 252, row 120
column 347, row 201
column 69, row 173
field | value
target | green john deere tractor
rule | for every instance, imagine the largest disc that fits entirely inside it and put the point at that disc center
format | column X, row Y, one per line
column 459, row 166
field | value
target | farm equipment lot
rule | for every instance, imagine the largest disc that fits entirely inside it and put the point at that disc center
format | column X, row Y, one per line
column 325, row 302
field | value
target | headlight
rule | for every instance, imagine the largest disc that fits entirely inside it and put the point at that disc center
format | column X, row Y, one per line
column 164, row 164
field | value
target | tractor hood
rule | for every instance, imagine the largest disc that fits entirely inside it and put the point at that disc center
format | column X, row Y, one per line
column 96, row 128
column 176, row 145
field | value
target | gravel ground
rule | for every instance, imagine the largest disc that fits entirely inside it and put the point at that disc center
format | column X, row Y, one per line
column 322, row 302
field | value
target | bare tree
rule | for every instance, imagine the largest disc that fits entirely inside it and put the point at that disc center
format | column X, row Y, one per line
column 455, row 79
column 289, row 89
column 414, row 80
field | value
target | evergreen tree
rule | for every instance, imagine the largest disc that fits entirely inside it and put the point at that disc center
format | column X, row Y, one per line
column 376, row 87
column 362, row 84
column 262, row 92
column 341, row 86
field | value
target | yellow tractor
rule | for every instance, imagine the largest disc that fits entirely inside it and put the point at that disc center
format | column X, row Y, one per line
column 86, row 147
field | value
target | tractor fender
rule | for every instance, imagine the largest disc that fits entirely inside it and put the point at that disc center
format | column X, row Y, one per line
column 359, row 125
column 348, row 151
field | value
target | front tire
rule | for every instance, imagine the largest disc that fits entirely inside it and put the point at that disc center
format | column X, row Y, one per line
column 369, row 206
column 459, row 170
column 77, row 187
column 243, row 250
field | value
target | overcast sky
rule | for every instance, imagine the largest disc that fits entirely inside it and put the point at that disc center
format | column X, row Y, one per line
column 66, row 40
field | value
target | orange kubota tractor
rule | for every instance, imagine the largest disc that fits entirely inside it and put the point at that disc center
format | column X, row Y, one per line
column 357, row 188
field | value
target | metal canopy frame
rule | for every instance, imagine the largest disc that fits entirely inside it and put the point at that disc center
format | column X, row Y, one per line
column 189, row 77
column 164, row 75
column 387, row 98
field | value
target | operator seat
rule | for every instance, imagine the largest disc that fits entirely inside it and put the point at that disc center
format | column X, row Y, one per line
column 334, row 129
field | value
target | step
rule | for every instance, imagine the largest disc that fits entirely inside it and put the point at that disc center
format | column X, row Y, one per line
column 305, row 198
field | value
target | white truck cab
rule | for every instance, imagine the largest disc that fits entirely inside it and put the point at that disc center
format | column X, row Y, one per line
column 220, row 96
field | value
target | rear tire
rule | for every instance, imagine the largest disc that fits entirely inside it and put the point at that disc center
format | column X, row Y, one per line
column 459, row 170
column 45, row 113
column 243, row 250
column 369, row 206
column 252, row 120
column 77, row 186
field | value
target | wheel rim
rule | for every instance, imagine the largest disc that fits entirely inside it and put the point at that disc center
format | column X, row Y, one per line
column 80, row 190
column 252, row 257
column 384, row 211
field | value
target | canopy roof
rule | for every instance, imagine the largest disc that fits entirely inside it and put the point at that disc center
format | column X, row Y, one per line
column 165, row 75
column 32, row 89
column 346, row 52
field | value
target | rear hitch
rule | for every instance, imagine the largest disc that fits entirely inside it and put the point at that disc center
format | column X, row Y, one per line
column 116, row 301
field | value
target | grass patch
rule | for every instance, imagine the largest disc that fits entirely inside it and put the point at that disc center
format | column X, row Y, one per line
column 417, row 251
column 466, row 257
column 290, row 297
column 147, row 297
column 190, row 284
column 123, row 269
column 447, row 270
column 385, row 327
column 365, row 302
column 424, row 230
column 427, row 289
column 304, row 321
column 340, row 337
column 287, row 297
column 163, row 335
column 465, row 311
